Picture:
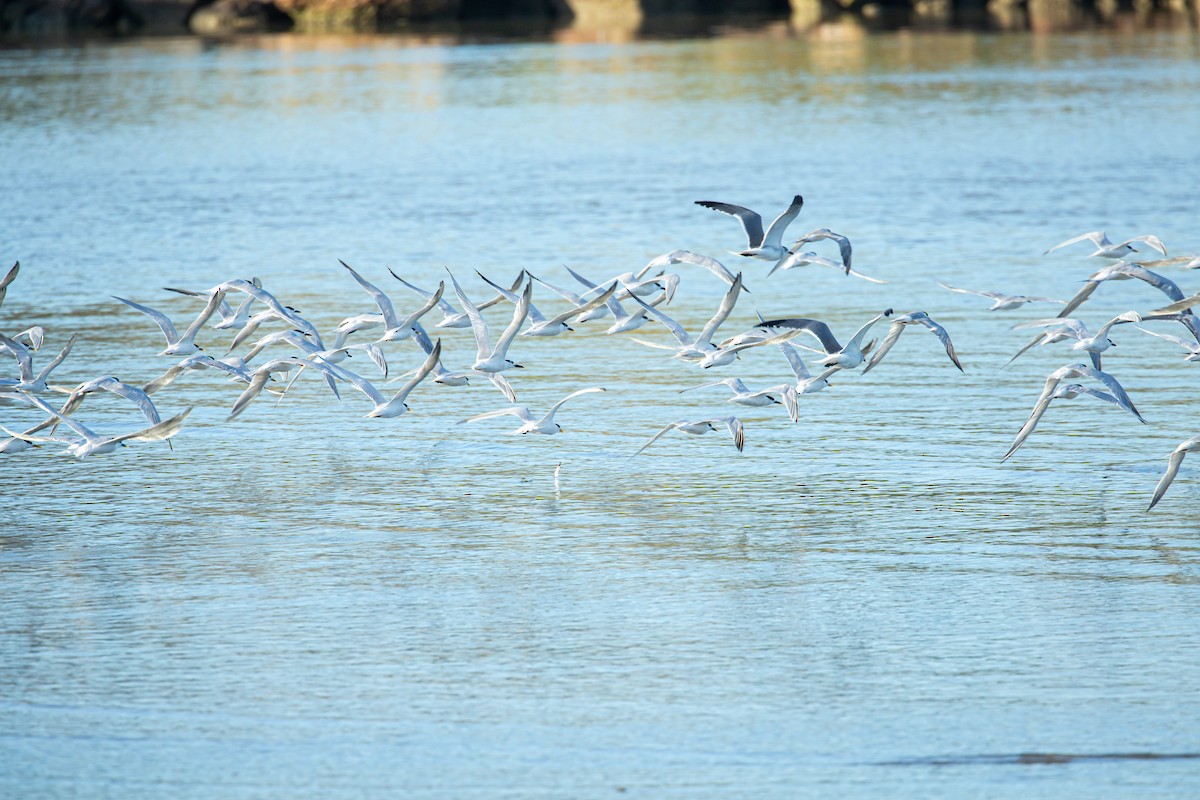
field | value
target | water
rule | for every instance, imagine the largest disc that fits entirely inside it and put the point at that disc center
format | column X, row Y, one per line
column 307, row 603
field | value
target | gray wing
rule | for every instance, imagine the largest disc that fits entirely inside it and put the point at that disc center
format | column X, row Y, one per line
column 1152, row 241
column 1180, row 305
column 736, row 431
column 723, row 312
column 710, row 264
column 1035, row 416
column 422, row 372
column 674, row 327
column 659, row 435
column 136, row 396
column 483, row 349
column 442, row 302
column 751, row 221
column 893, row 335
column 774, row 233
column 516, row 411
column 813, row 326
column 550, row 414
column 943, row 336
column 1173, row 462
column 844, row 247
column 501, row 383
column 9, row 277
column 1108, row 380
column 58, row 359
column 21, row 353
column 594, row 303
column 1184, row 343
column 518, row 319
column 793, row 356
column 160, row 319
column 222, row 308
column 992, row 295
column 382, row 300
column 156, row 433
column 1097, row 238
column 1068, row 325
column 1086, row 291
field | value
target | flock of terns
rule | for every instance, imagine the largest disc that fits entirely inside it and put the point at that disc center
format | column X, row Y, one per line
column 624, row 302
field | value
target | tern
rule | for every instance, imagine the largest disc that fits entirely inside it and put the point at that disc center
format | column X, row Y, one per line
column 846, row 356
column 237, row 370
column 33, row 336
column 688, row 257
column 623, row 320
column 843, row 243
column 694, row 349
column 765, row 246
column 452, row 317
column 1106, row 248
column 266, row 372
column 1121, row 271
column 728, row 354
column 539, row 325
column 445, row 377
column 488, row 358
column 1002, row 301
column 1084, row 371
column 546, row 425
column 230, row 318
column 701, row 427
column 1063, row 328
column 395, row 328
column 139, row 397
column 88, row 442
column 1068, row 392
column 1173, row 462
column 185, row 344
column 394, row 407
column 28, row 380
column 898, row 326
column 784, row 394
column 274, row 308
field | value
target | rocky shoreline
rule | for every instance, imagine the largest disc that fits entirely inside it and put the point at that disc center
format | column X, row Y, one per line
column 217, row 18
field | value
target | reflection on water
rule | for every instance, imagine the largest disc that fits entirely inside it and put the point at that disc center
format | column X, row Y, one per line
column 309, row 603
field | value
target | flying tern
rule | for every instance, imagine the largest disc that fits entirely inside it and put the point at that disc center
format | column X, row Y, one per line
column 488, row 358
column 88, row 442
column 1106, row 248
column 1068, row 392
column 765, row 246
column 1176, row 458
column 1002, row 301
column 545, row 425
column 844, row 247
column 898, row 326
column 539, row 325
column 847, row 356
column 179, row 344
column 34, row 383
column 701, row 427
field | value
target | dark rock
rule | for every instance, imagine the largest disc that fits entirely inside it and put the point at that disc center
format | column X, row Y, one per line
column 224, row 17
